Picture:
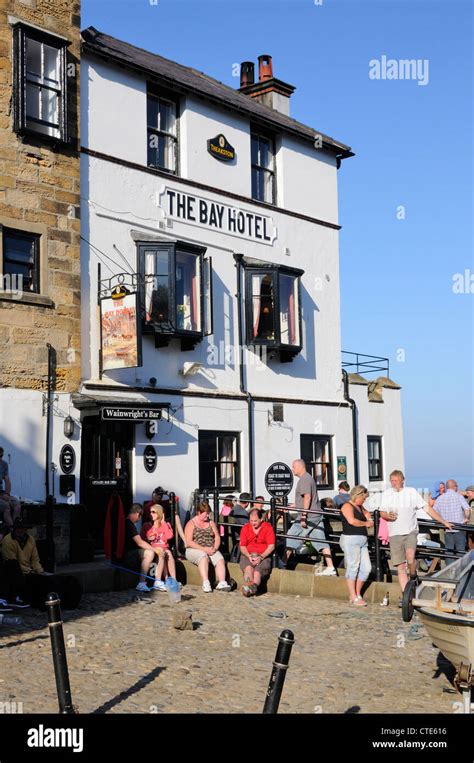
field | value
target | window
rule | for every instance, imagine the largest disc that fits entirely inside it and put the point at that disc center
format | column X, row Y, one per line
column 40, row 97
column 162, row 133
column 273, row 314
column 219, row 461
column 21, row 259
column 316, row 452
column 263, row 168
column 374, row 450
column 176, row 292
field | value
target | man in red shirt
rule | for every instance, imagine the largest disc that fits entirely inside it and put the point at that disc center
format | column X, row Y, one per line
column 257, row 542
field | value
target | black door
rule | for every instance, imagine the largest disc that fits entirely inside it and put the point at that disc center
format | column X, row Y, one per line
column 106, row 467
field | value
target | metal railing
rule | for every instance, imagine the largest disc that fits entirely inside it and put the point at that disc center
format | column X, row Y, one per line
column 379, row 552
column 359, row 363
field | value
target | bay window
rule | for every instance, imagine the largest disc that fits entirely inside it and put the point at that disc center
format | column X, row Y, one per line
column 273, row 315
column 176, row 292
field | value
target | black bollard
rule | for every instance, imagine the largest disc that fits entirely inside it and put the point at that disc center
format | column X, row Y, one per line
column 286, row 640
column 378, row 556
column 58, row 649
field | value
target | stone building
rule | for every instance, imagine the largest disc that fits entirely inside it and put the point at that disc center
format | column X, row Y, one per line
column 39, row 226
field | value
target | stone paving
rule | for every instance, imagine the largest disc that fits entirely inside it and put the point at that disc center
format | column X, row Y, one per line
column 125, row 657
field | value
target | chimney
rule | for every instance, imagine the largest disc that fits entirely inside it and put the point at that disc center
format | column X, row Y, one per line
column 268, row 90
column 247, row 73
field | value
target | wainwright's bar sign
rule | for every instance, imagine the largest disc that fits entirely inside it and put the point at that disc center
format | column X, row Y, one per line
column 131, row 414
column 198, row 210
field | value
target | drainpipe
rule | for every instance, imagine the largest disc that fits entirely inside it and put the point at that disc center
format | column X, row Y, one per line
column 238, row 264
column 355, row 446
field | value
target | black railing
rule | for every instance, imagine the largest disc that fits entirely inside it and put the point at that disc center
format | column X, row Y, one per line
column 359, row 363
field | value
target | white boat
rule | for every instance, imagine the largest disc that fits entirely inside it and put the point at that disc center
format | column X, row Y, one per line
column 444, row 602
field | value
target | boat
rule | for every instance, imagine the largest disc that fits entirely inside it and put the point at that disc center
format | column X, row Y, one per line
column 444, row 602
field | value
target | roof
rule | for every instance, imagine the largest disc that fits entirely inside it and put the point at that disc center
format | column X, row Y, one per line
column 185, row 79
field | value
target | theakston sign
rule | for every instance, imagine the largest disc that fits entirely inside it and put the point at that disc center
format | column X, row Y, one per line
column 201, row 211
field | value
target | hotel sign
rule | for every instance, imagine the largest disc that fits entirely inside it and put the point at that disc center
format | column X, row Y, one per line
column 213, row 215
column 220, row 148
column 131, row 414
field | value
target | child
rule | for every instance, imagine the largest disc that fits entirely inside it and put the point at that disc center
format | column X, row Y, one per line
column 158, row 533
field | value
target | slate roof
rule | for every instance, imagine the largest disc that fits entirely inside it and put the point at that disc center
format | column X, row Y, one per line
column 185, row 79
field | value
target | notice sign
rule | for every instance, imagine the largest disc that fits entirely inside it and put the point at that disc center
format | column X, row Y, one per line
column 279, row 480
column 342, row 468
column 131, row 414
column 119, row 333
column 200, row 211
column 149, row 458
column 67, row 459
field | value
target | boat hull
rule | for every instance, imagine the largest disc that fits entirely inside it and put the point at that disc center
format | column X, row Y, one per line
column 453, row 636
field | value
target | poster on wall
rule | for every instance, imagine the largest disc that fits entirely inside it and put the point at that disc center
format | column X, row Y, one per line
column 120, row 332
column 341, row 468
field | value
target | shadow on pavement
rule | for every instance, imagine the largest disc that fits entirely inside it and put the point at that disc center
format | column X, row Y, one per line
column 138, row 686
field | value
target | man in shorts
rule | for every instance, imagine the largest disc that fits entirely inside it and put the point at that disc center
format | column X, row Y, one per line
column 138, row 554
column 398, row 505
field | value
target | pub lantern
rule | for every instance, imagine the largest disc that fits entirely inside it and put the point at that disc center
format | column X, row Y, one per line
column 68, row 427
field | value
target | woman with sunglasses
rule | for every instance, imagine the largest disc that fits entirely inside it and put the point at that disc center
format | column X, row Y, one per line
column 158, row 533
column 202, row 546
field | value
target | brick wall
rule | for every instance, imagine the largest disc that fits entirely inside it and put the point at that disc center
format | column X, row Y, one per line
column 40, row 192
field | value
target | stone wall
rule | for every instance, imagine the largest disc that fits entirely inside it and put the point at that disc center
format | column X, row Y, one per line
column 40, row 193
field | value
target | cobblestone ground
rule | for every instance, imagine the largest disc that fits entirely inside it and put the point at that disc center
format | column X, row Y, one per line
column 125, row 657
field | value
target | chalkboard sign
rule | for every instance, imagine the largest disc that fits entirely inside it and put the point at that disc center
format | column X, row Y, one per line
column 67, row 459
column 150, row 458
column 279, row 480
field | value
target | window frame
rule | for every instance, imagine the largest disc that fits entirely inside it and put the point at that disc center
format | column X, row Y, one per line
column 35, row 239
column 22, row 32
column 330, row 464
column 287, row 351
column 256, row 132
column 154, row 91
column 237, row 464
column 189, row 338
column 375, row 439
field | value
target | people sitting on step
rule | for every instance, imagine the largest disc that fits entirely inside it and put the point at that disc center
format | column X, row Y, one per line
column 10, row 507
column 202, row 546
column 158, row 533
column 138, row 553
column 25, row 580
column 257, row 543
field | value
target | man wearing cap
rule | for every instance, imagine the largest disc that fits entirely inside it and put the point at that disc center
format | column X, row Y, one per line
column 399, row 505
column 453, row 507
column 9, row 506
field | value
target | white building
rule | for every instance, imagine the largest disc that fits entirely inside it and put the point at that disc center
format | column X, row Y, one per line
column 222, row 211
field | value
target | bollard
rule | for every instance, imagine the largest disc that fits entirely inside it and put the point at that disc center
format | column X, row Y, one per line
column 273, row 520
column 286, row 640
column 58, row 649
column 378, row 557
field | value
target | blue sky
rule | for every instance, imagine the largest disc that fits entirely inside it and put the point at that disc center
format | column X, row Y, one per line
column 414, row 148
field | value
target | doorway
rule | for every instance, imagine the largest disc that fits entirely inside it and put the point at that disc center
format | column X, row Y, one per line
column 106, row 467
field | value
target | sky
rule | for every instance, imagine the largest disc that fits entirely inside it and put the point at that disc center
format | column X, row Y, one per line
column 405, row 199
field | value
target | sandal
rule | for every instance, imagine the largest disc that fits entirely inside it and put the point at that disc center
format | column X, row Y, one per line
column 359, row 602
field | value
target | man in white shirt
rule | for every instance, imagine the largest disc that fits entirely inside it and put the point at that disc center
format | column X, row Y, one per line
column 398, row 505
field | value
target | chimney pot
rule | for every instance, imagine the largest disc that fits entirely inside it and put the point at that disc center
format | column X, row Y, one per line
column 265, row 67
column 247, row 73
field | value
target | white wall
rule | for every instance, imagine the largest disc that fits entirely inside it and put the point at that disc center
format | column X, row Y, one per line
column 122, row 200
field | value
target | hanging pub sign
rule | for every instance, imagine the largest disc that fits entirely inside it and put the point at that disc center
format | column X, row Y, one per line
column 120, row 332
column 213, row 215
column 279, row 480
column 220, row 148
column 341, row 468
column 67, row 459
column 150, row 458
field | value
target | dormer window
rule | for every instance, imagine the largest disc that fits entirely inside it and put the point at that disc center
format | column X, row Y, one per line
column 176, row 292
column 273, row 315
column 40, row 97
